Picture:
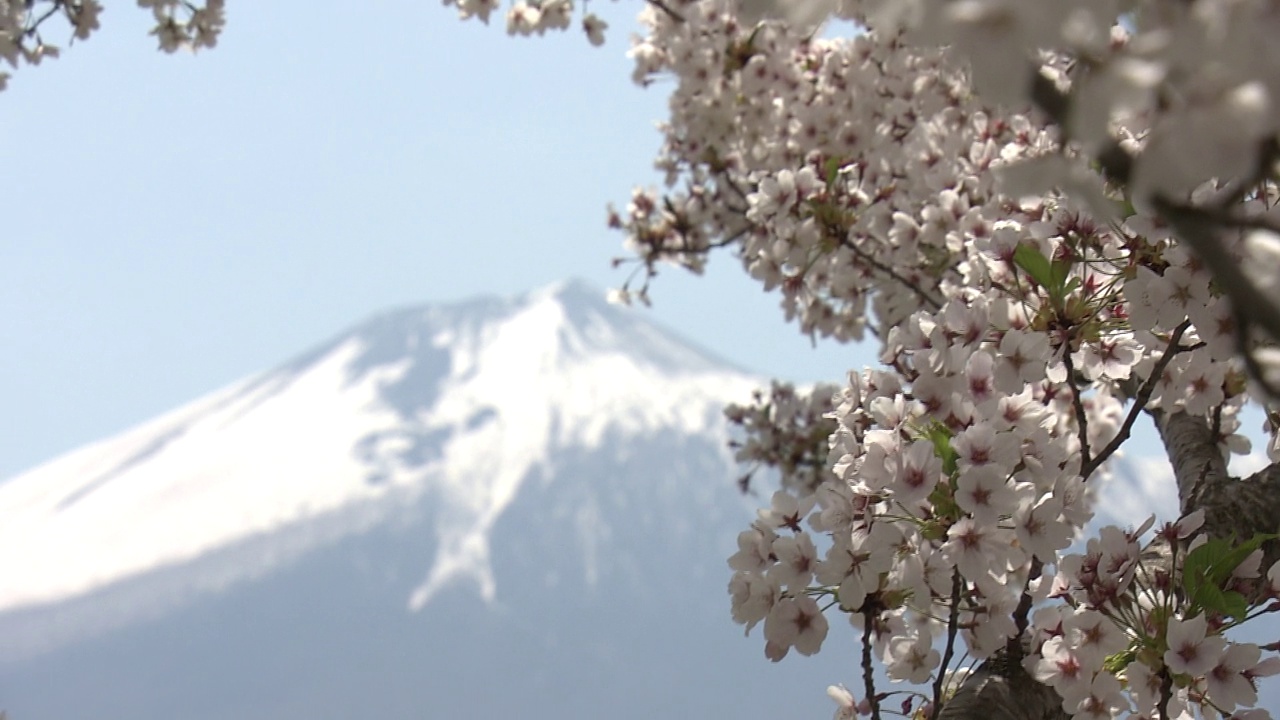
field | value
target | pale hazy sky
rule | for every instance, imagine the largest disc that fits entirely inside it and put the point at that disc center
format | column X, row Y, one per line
column 180, row 222
column 176, row 223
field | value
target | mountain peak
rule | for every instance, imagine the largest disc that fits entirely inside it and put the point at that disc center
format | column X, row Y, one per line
column 461, row 403
column 574, row 291
column 566, row 319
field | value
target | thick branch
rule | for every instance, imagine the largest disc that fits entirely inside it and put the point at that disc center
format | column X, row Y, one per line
column 1193, row 452
column 1200, row 230
column 867, row 678
column 1234, row 508
column 1197, row 227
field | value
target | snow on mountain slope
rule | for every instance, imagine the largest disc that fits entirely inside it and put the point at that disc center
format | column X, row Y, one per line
column 461, row 404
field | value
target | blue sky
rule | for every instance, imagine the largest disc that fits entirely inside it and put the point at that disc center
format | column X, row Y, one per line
column 179, row 222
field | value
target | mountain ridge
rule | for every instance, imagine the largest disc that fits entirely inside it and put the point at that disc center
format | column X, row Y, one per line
column 517, row 508
column 424, row 391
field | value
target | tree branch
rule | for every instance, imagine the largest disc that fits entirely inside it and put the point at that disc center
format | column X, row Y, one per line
column 1082, row 422
column 1193, row 452
column 867, row 679
column 863, row 255
column 1140, row 401
column 677, row 17
column 1233, row 508
column 953, row 623
column 1198, row 228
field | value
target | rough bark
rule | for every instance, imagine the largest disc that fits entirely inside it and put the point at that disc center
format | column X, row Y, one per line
column 1234, row 508
column 1002, row 690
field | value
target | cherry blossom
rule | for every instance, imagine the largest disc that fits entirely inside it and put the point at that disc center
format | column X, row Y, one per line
column 1093, row 636
column 1102, row 699
column 754, row 597
column 794, row 622
column 796, row 559
column 1191, row 651
column 1059, row 666
column 846, row 707
column 911, row 659
column 1227, row 683
column 1041, row 529
column 1054, row 221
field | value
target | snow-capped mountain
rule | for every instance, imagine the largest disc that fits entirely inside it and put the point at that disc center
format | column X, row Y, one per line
column 498, row 508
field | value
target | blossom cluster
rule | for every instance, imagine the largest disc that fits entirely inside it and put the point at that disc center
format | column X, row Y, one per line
column 943, row 492
column 866, row 181
column 1131, row 637
column 21, row 39
column 999, row 192
column 1195, row 84
column 181, row 25
column 785, row 431
column 535, row 17
column 24, row 25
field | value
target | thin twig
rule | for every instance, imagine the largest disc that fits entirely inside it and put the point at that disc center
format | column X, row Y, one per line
column 953, row 623
column 726, row 178
column 1267, row 153
column 667, row 9
column 1115, row 162
column 729, row 239
column 1251, row 363
column 34, row 28
column 1023, row 611
column 1139, row 402
column 1216, row 427
column 1082, row 422
column 1255, row 222
column 1196, row 227
column 928, row 299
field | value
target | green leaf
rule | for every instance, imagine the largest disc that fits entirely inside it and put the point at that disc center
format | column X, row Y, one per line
column 1234, row 605
column 1209, row 597
column 1126, row 209
column 1198, row 568
column 1054, row 276
column 944, row 506
column 1035, row 265
column 940, row 436
column 1059, row 271
column 1208, row 568
column 833, row 171
column 1119, row 661
column 934, row 530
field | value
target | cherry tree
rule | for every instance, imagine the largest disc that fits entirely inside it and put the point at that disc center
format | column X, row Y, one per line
column 1056, row 221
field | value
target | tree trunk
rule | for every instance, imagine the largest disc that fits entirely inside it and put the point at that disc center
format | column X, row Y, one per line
column 1002, row 690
